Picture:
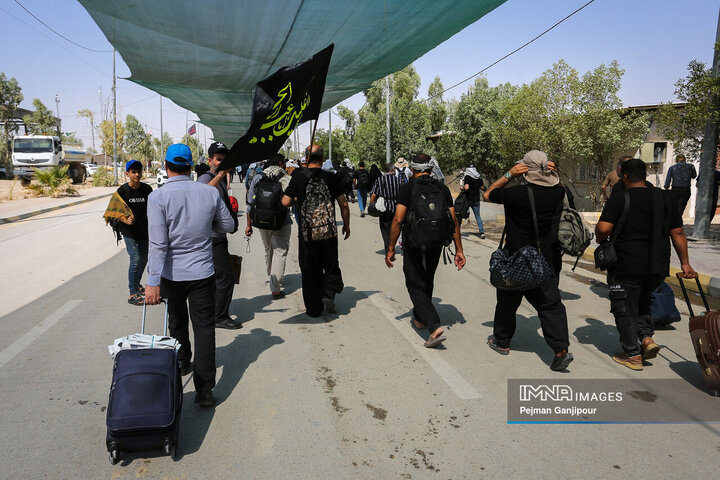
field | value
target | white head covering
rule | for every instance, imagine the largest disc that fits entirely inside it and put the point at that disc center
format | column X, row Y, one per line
column 328, row 166
column 472, row 173
column 348, row 163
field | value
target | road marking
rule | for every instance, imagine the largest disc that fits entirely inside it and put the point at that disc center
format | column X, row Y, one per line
column 448, row 374
column 21, row 343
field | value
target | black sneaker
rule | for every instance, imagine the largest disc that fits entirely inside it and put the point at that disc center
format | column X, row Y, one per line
column 329, row 305
column 228, row 323
column 185, row 367
column 136, row 299
column 561, row 363
column 482, row 235
column 205, row 399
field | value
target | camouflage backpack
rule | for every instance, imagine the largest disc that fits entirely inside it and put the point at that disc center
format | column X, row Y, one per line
column 317, row 214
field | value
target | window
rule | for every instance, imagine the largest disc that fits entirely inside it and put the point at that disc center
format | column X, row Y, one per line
column 32, row 145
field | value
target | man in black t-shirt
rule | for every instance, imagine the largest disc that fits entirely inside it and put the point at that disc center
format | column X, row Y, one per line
column 420, row 262
column 643, row 253
column 135, row 229
column 319, row 265
column 548, row 194
column 472, row 184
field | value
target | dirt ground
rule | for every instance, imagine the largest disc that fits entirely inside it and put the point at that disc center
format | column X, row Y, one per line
column 13, row 190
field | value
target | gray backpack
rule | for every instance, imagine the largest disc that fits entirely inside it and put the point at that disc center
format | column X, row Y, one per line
column 573, row 235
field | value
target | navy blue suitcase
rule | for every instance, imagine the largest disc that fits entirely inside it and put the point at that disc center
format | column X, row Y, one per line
column 143, row 411
column 662, row 306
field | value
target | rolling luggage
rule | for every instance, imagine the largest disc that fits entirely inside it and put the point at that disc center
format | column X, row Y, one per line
column 143, row 411
column 662, row 306
column 705, row 336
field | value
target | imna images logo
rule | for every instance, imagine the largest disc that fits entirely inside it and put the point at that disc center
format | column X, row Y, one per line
column 544, row 393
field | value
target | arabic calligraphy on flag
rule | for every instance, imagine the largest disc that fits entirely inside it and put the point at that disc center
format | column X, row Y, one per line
column 282, row 101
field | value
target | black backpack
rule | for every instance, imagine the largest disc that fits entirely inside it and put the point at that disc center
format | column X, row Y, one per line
column 428, row 222
column 462, row 206
column 317, row 214
column 363, row 179
column 267, row 211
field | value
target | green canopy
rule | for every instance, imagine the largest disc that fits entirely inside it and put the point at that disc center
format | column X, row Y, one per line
column 207, row 56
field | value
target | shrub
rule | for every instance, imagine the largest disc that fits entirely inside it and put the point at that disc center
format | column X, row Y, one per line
column 103, row 178
column 52, row 182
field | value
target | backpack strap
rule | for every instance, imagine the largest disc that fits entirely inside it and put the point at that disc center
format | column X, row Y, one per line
column 621, row 223
column 531, row 197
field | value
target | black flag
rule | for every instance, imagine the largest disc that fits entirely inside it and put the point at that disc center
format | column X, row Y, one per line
column 283, row 100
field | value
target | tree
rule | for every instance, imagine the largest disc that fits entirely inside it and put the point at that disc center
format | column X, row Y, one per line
column 41, row 121
column 10, row 97
column 70, row 138
column 90, row 116
column 438, row 109
column 106, row 136
column 196, row 148
column 342, row 146
column 167, row 141
column 136, row 140
column 351, row 120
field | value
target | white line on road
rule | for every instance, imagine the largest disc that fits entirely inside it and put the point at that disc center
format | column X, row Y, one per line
column 448, row 374
column 21, row 343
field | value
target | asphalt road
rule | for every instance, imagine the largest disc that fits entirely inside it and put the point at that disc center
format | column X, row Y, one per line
column 352, row 395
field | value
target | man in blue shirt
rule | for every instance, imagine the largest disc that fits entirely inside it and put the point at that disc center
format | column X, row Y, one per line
column 680, row 175
column 181, row 219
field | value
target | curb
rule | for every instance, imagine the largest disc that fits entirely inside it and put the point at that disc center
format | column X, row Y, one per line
column 23, row 216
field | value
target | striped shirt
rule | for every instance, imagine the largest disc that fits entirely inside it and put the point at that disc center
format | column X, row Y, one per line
column 387, row 188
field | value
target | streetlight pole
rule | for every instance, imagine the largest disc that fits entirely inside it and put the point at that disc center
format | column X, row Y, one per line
column 115, row 166
column 330, row 134
column 387, row 119
column 57, row 111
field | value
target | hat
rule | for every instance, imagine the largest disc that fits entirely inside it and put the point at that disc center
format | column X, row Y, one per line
column 217, row 147
column 538, row 171
column 401, row 163
column 134, row 165
column 179, row 154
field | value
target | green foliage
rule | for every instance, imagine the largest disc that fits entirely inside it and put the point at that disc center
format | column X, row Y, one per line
column 137, row 141
column 686, row 126
column 106, row 136
column 196, row 148
column 103, row 178
column 52, row 182
column 438, row 109
column 70, row 138
column 41, row 121
column 10, row 97
column 167, row 141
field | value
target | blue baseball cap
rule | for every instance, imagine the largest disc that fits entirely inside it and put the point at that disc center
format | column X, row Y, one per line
column 133, row 165
column 179, row 154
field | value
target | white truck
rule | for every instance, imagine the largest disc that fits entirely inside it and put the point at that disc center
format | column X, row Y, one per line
column 30, row 152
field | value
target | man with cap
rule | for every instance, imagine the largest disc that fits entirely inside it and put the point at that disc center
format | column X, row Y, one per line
column 420, row 261
column 544, row 183
column 181, row 219
column 135, row 229
column 224, row 275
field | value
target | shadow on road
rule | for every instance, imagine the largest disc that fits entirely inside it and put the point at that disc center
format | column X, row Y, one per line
column 345, row 302
column 527, row 338
column 235, row 358
column 599, row 334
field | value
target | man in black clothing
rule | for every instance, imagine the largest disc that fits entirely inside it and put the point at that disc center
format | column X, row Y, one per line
column 420, row 262
column 472, row 184
column 319, row 265
column 135, row 229
column 548, row 194
column 643, row 253
column 224, row 275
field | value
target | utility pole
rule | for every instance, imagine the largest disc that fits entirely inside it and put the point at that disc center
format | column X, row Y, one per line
column 708, row 157
column 162, row 135
column 387, row 119
column 57, row 112
column 330, row 134
column 186, row 124
column 115, row 165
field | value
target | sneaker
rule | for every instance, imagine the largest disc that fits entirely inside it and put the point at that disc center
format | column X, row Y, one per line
column 562, row 361
column 229, row 324
column 482, row 235
column 650, row 349
column 633, row 363
column 329, row 305
column 362, row 215
column 492, row 343
column 185, row 367
column 205, row 399
column 278, row 295
column 136, row 299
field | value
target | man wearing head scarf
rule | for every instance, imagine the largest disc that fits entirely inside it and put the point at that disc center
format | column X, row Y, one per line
column 472, row 184
column 548, row 195
column 436, row 172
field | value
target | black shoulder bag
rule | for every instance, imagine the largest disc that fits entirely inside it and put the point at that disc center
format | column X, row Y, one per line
column 605, row 254
column 525, row 269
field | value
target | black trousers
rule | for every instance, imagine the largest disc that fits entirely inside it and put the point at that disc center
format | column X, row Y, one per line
column 632, row 313
column 419, row 268
column 320, row 269
column 385, row 220
column 682, row 195
column 199, row 295
column 224, row 279
column 546, row 301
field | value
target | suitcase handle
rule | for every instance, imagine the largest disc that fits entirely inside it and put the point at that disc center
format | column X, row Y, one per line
column 144, row 313
column 685, row 294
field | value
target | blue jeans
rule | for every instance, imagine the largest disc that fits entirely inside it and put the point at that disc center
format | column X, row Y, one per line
column 475, row 207
column 362, row 198
column 138, row 251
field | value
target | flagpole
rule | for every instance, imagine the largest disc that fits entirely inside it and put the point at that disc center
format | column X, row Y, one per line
column 312, row 137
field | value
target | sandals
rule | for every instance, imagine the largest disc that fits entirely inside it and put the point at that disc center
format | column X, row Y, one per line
column 493, row 344
column 434, row 342
column 136, row 299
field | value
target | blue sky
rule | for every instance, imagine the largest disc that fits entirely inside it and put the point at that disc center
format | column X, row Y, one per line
column 652, row 40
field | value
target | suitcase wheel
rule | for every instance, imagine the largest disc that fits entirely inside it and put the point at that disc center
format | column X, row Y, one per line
column 114, row 456
column 169, row 449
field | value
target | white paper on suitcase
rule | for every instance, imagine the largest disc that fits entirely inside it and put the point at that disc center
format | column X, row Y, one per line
column 142, row 340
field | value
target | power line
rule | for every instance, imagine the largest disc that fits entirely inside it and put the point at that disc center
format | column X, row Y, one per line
column 59, row 34
column 511, row 53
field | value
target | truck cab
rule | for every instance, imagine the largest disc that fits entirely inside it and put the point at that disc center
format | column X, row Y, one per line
column 30, row 152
